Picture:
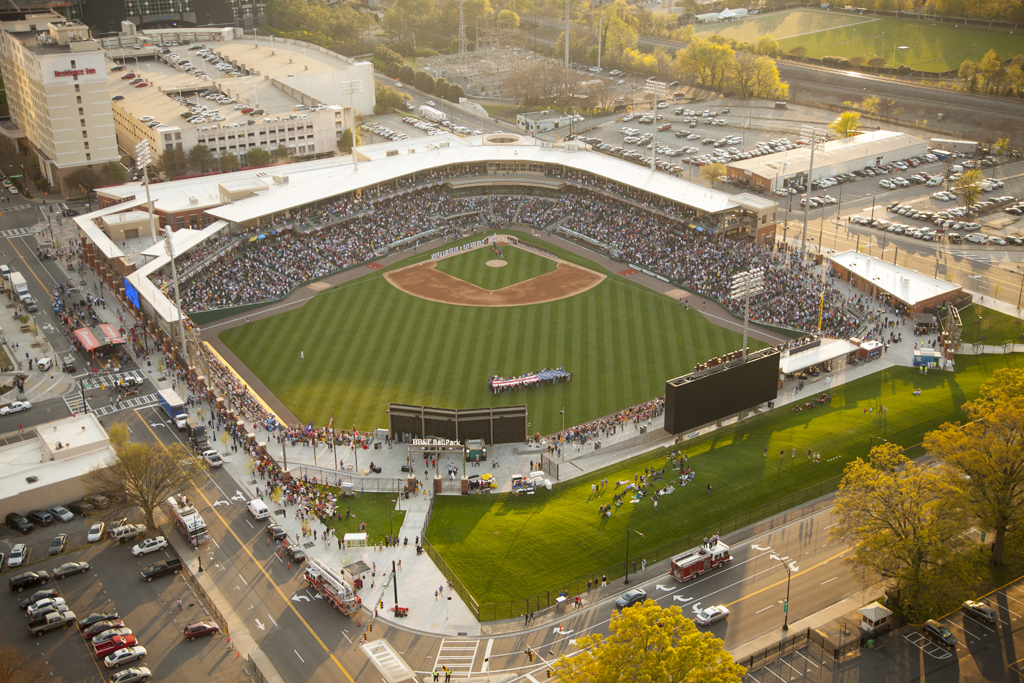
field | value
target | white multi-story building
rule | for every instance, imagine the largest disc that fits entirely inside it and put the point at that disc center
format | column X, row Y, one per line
column 57, row 90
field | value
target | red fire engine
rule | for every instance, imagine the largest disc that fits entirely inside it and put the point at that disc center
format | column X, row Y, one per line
column 696, row 561
column 332, row 587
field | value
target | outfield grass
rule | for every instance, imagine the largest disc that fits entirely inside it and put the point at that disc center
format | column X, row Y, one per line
column 372, row 508
column 472, row 267
column 994, row 326
column 366, row 343
column 506, row 549
column 938, row 47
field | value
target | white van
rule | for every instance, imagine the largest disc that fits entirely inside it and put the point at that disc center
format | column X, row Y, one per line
column 258, row 508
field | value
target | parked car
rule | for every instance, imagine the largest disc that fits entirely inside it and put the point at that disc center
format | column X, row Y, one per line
column 630, row 598
column 58, row 545
column 96, row 532
column 149, row 545
column 200, row 628
column 48, row 606
column 22, row 581
column 39, row 595
column 101, row 626
column 295, row 553
column 124, row 656
column 110, row 633
column 52, row 621
column 138, row 674
column 18, row 523
column 19, row 553
column 172, row 566
column 71, row 568
column 980, row 611
column 81, row 508
column 95, row 618
column 939, row 633
column 276, row 532
column 61, row 513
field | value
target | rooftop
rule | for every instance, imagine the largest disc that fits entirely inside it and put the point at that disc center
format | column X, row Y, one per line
column 798, row 160
column 907, row 285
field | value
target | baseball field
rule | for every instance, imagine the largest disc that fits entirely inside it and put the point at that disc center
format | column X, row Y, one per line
column 918, row 44
column 508, row 549
column 358, row 346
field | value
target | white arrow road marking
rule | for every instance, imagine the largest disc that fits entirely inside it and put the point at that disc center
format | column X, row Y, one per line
column 251, row 607
column 757, row 547
column 572, row 642
column 663, row 588
column 218, row 503
column 681, row 598
column 560, row 631
column 238, row 496
column 696, row 607
column 158, row 424
column 259, row 625
column 300, row 598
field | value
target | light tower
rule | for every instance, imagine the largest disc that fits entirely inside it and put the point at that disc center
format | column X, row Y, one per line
column 143, row 158
column 658, row 89
column 815, row 138
column 743, row 285
column 351, row 88
column 462, row 27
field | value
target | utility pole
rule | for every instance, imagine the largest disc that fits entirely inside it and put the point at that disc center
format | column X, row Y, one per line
column 600, row 24
column 567, row 43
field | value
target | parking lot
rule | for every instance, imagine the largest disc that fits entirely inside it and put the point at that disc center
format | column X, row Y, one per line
column 114, row 584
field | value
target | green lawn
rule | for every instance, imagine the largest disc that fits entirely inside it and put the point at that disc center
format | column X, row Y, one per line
column 506, row 549
column 376, row 509
column 938, row 47
column 366, row 343
column 917, row 44
column 994, row 326
column 472, row 267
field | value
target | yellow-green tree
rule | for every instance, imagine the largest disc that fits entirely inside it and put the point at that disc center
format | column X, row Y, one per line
column 651, row 644
column 848, row 124
column 712, row 172
column 986, row 455
column 705, row 64
column 968, row 188
column 906, row 524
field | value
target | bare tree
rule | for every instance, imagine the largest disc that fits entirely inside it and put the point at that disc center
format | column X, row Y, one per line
column 17, row 667
column 141, row 475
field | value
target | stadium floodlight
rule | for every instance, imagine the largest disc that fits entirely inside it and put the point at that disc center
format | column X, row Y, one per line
column 745, row 284
column 143, row 158
column 815, row 138
column 658, row 89
column 169, row 248
column 352, row 88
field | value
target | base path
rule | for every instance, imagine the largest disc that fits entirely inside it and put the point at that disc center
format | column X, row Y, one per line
column 423, row 280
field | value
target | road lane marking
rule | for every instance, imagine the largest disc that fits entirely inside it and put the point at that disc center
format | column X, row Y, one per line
column 487, row 655
column 762, row 610
column 830, row 580
column 243, row 579
column 779, row 583
column 299, row 656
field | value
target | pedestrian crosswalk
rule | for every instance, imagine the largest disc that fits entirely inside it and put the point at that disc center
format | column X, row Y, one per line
column 977, row 257
column 101, row 405
column 390, row 664
column 113, row 379
column 16, row 232
column 457, row 655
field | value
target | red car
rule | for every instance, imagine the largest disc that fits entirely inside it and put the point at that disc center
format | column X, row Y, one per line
column 127, row 77
column 248, row 110
column 114, row 644
column 142, row 85
column 200, row 628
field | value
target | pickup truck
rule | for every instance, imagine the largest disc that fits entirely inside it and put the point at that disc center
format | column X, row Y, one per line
column 172, row 566
column 114, row 644
column 54, row 620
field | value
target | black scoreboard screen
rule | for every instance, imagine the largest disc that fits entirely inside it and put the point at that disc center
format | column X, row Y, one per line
column 721, row 390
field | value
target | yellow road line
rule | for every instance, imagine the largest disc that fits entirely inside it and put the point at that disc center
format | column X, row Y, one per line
column 779, row 583
column 262, row 570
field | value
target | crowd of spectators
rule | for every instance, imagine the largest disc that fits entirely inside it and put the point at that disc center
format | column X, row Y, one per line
column 580, row 435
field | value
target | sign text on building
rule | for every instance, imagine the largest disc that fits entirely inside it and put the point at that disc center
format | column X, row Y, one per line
column 74, row 72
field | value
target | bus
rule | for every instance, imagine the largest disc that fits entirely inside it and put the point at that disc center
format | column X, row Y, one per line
column 188, row 520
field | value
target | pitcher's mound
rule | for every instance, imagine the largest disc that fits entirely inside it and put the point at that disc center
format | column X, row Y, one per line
column 497, row 263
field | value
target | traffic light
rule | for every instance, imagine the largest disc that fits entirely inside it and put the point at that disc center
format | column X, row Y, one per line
column 369, row 628
column 382, row 604
column 548, row 672
column 531, row 654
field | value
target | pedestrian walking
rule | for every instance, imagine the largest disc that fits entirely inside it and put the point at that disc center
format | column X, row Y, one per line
column 643, row 565
column 179, row 604
column 435, row 675
column 435, row 596
column 302, row 354
column 399, row 565
column 709, row 489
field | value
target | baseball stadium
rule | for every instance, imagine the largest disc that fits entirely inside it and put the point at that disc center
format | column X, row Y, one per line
column 550, row 287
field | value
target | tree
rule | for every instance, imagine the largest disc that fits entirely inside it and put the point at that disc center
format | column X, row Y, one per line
column 424, row 82
column 991, row 68
column 257, row 157
column 847, row 125
column 17, row 667
column 115, row 172
column 455, row 93
column 712, row 172
column 201, row 159
column 282, row 153
column 651, row 644
column 705, row 64
column 907, row 525
column 173, row 163
column 800, row 52
column 876, row 62
column 986, row 455
column 142, row 475
column 766, row 46
column 441, row 87
column 345, row 141
column 227, row 162
column 407, row 74
column 968, row 188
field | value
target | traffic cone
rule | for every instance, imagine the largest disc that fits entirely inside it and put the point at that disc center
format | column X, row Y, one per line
column 289, row 564
column 359, row 622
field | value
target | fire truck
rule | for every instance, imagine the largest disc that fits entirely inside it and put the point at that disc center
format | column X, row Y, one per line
column 332, row 587
column 696, row 561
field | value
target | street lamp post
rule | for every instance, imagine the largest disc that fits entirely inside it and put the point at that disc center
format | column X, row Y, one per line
column 790, row 568
column 352, row 88
column 627, row 550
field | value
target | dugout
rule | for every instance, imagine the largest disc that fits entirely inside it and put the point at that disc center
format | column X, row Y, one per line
column 503, row 424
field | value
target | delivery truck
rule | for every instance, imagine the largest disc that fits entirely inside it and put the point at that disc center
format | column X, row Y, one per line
column 173, row 406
